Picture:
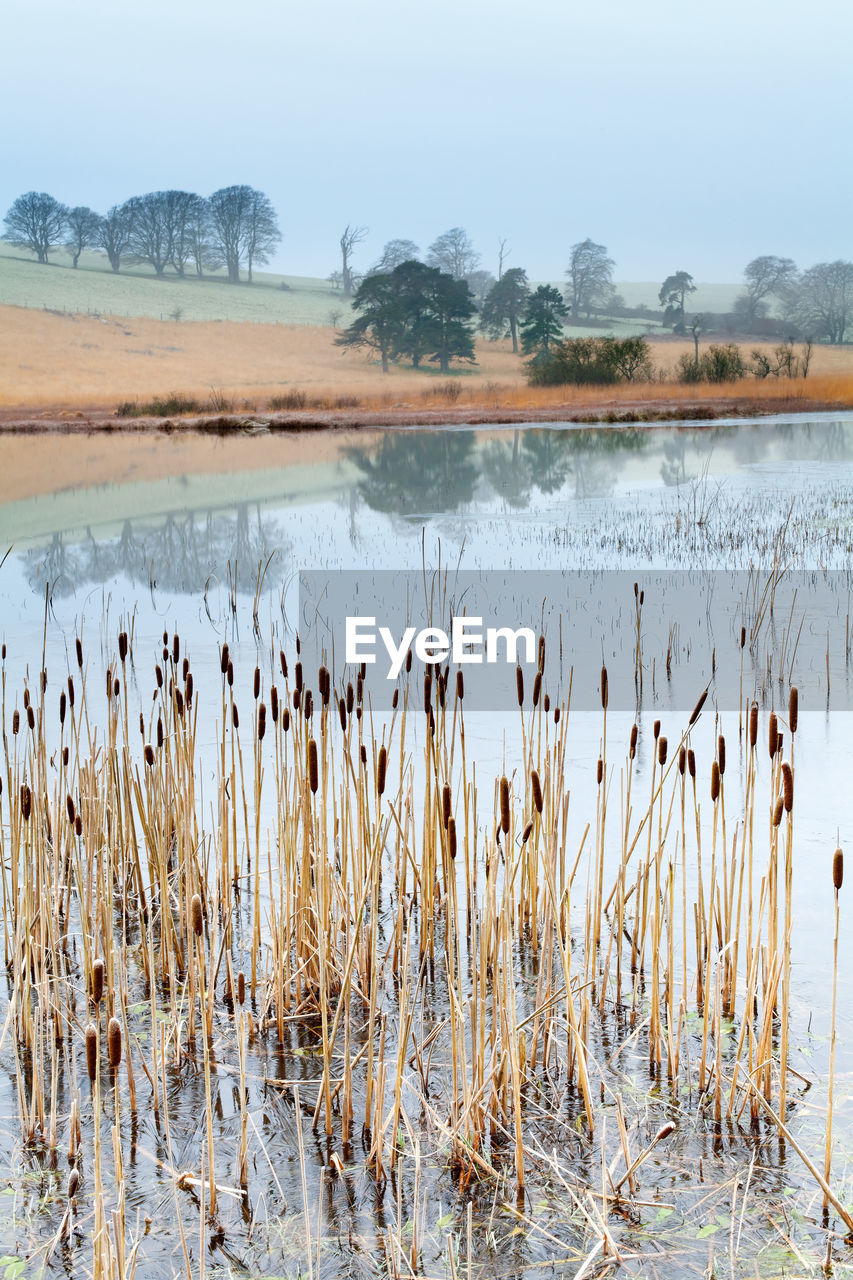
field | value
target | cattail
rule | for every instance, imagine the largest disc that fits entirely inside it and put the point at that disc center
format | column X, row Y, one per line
column 283, row 663
column 537, row 688
column 70, row 692
column 78, row 825
column 363, row 754
column 536, row 790
column 715, row 781
column 189, row 687
column 235, row 716
column 778, row 810
column 381, row 766
column 79, row 654
column 604, row 689
column 26, row 802
column 262, row 722
column 109, row 684
column 257, row 686
column 395, row 698
column 142, row 725
column 158, row 672
column 556, row 715
column 92, row 1051
column 97, row 981
column 773, row 735
column 682, row 760
column 274, row 704
column 159, row 732
column 662, row 747
column 721, row 754
column 656, row 729
column 297, row 675
column 313, row 768
column 528, row 827
column 176, row 648
column 241, row 987
column 196, row 915
column 446, row 798
column 16, row 720
column 73, row 1183
column 69, row 807
column 694, row 714
column 793, row 709
column 663, row 1132
column 114, row 1039
column 26, row 699
column 788, row 786
column 179, row 702
column 65, row 756
column 599, row 772
column 285, row 719
column 229, row 674
column 632, row 745
column 350, row 698
column 359, row 689
column 691, row 762
column 460, row 686
column 31, row 718
column 297, row 698
column 837, row 869
column 122, row 646
column 224, row 659
column 504, row 795
column 149, row 755
column 743, row 637
column 342, row 714
column 185, row 667
column 546, row 703
column 62, row 707
column 427, row 691
column 519, row 686
column 753, row 724
column 325, row 685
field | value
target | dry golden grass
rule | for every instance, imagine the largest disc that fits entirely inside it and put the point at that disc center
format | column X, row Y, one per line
column 52, row 361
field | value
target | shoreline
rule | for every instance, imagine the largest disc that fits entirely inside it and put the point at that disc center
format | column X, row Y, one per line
column 35, row 421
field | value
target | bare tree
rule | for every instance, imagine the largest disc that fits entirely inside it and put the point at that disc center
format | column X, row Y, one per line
column 590, row 274
column 150, row 233
column 243, row 227
column 395, row 253
column 114, row 232
column 351, row 237
column 824, row 300
column 765, row 277
column 503, row 254
column 454, row 254
column 262, row 233
column 81, row 226
column 36, row 222
column 480, row 282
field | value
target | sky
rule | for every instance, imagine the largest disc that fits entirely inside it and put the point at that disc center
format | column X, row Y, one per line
column 683, row 136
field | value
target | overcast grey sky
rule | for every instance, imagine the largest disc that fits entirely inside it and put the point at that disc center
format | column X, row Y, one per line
column 683, row 135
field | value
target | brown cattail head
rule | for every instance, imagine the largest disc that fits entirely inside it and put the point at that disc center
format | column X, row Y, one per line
column 31, row 717
column 79, row 653
column 283, row 663
column 256, row 689
column 546, row 703
column 122, row 646
column 69, row 808
column 556, row 715
column 224, row 659
column 656, row 728
column 504, row 795
column 97, row 981
column 664, row 1131
column 460, row 686
column 92, row 1051
column 229, row 674
column 241, row 987
column 158, row 675
column 395, row 699
column 381, row 766
column 313, row 767
column 536, row 790
column 427, row 691
column 196, row 915
column 604, row 690
column 662, row 749
column 773, row 735
column 363, row 754
column 743, row 637
column 753, row 724
column 342, row 714
column 537, row 688
column 519, row 685
column 632, row 745
column 528, row 827
column 451, row 836
column 695, row 713
column 285, row 719
column 721, row 753
column 176, row 648
column 350, row 698
column 682, row 760
column 599, row 771
column 114, row 1040
column 159, row 732
column 446, row 799
column 26, row 802
column 235, row 715
column 788, row 786
column 691, row 762
column 274, row 704
column 297, row 675
column 715, row 781
column 62, row 704
column 16, row 720
column 837, row 869
column 262, row 721
column 78, row 823
column 793, row 709
column 73, row 1183
column 778, row 810
column 540, row 663
column 70, row 692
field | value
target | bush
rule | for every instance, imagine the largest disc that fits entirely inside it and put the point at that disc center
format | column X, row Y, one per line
column 290, row 400
column 160, row 407
column 592, row 362
column 718, row 363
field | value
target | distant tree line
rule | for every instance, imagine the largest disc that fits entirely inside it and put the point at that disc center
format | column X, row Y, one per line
column 235, row 228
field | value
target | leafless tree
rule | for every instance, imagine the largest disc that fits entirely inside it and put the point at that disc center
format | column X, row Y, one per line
column 243, row 227
column 503, row 254
column 454, row 254
column 351, row 237
column 36, row 222
column 81, row 231
column 394, row 253
column 823, row 305
column 114, row 233
column 590, row 274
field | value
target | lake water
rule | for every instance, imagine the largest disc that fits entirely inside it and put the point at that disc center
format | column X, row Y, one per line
column 207, row 538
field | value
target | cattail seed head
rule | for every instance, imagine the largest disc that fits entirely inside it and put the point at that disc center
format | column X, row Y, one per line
column 519, row 686
column 158, row 674
column 537, row 688
column 97, row 981
column 262, row 722
column 283, row 664
column 556, row 715
column 528, row 827
column 229, row 674
column 285, row 719
column 149, row 755
column 460, row 686
column 297, row 675
column 743, row 637
column 632, row 745
column 122, row 646
column 62, row 704
column 451, row 836
column 79, row 653
column 176, row 648
column 536, row 790
column 31, row 718
column 350, row 698
column 224, row 659
column 753, row 724
column 664, row 1131
column 604, row 689
column 78, row 825
column 114, row 1039
column 793, row 709
column 256, row 689
column 313, row 767
column 342, row 714
column 189, row 687
column 26, row 802
column 778, row 810
column 70, row 692
column 427, row 691
column 196, row 915
column 235, row 716
column 788, row 786
column 504, row 798
column 363, row 754
column 381, row 766
column 682, row 760
column 241, row 987
column 92, row 1051
column 73, row 1183
column 662, row 749
column 695, row 713
column 715, row 781
column 837, row 869
column 16, row 720
column 773, row 735
column 309, row 705
column 395, row 699
column 721, row 753
column 69, row 807
column 599, row 771
column 274, row 704
column 546, row 703
column 691, row 762
column 159, row 732
column 446, row 801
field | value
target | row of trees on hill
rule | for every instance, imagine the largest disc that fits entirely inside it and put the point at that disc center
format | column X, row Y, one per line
column 235, row 228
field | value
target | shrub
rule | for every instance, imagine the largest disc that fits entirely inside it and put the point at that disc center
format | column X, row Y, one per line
column 169, row 406
column 718, row 363
column 592, row 362
column 290, row 400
